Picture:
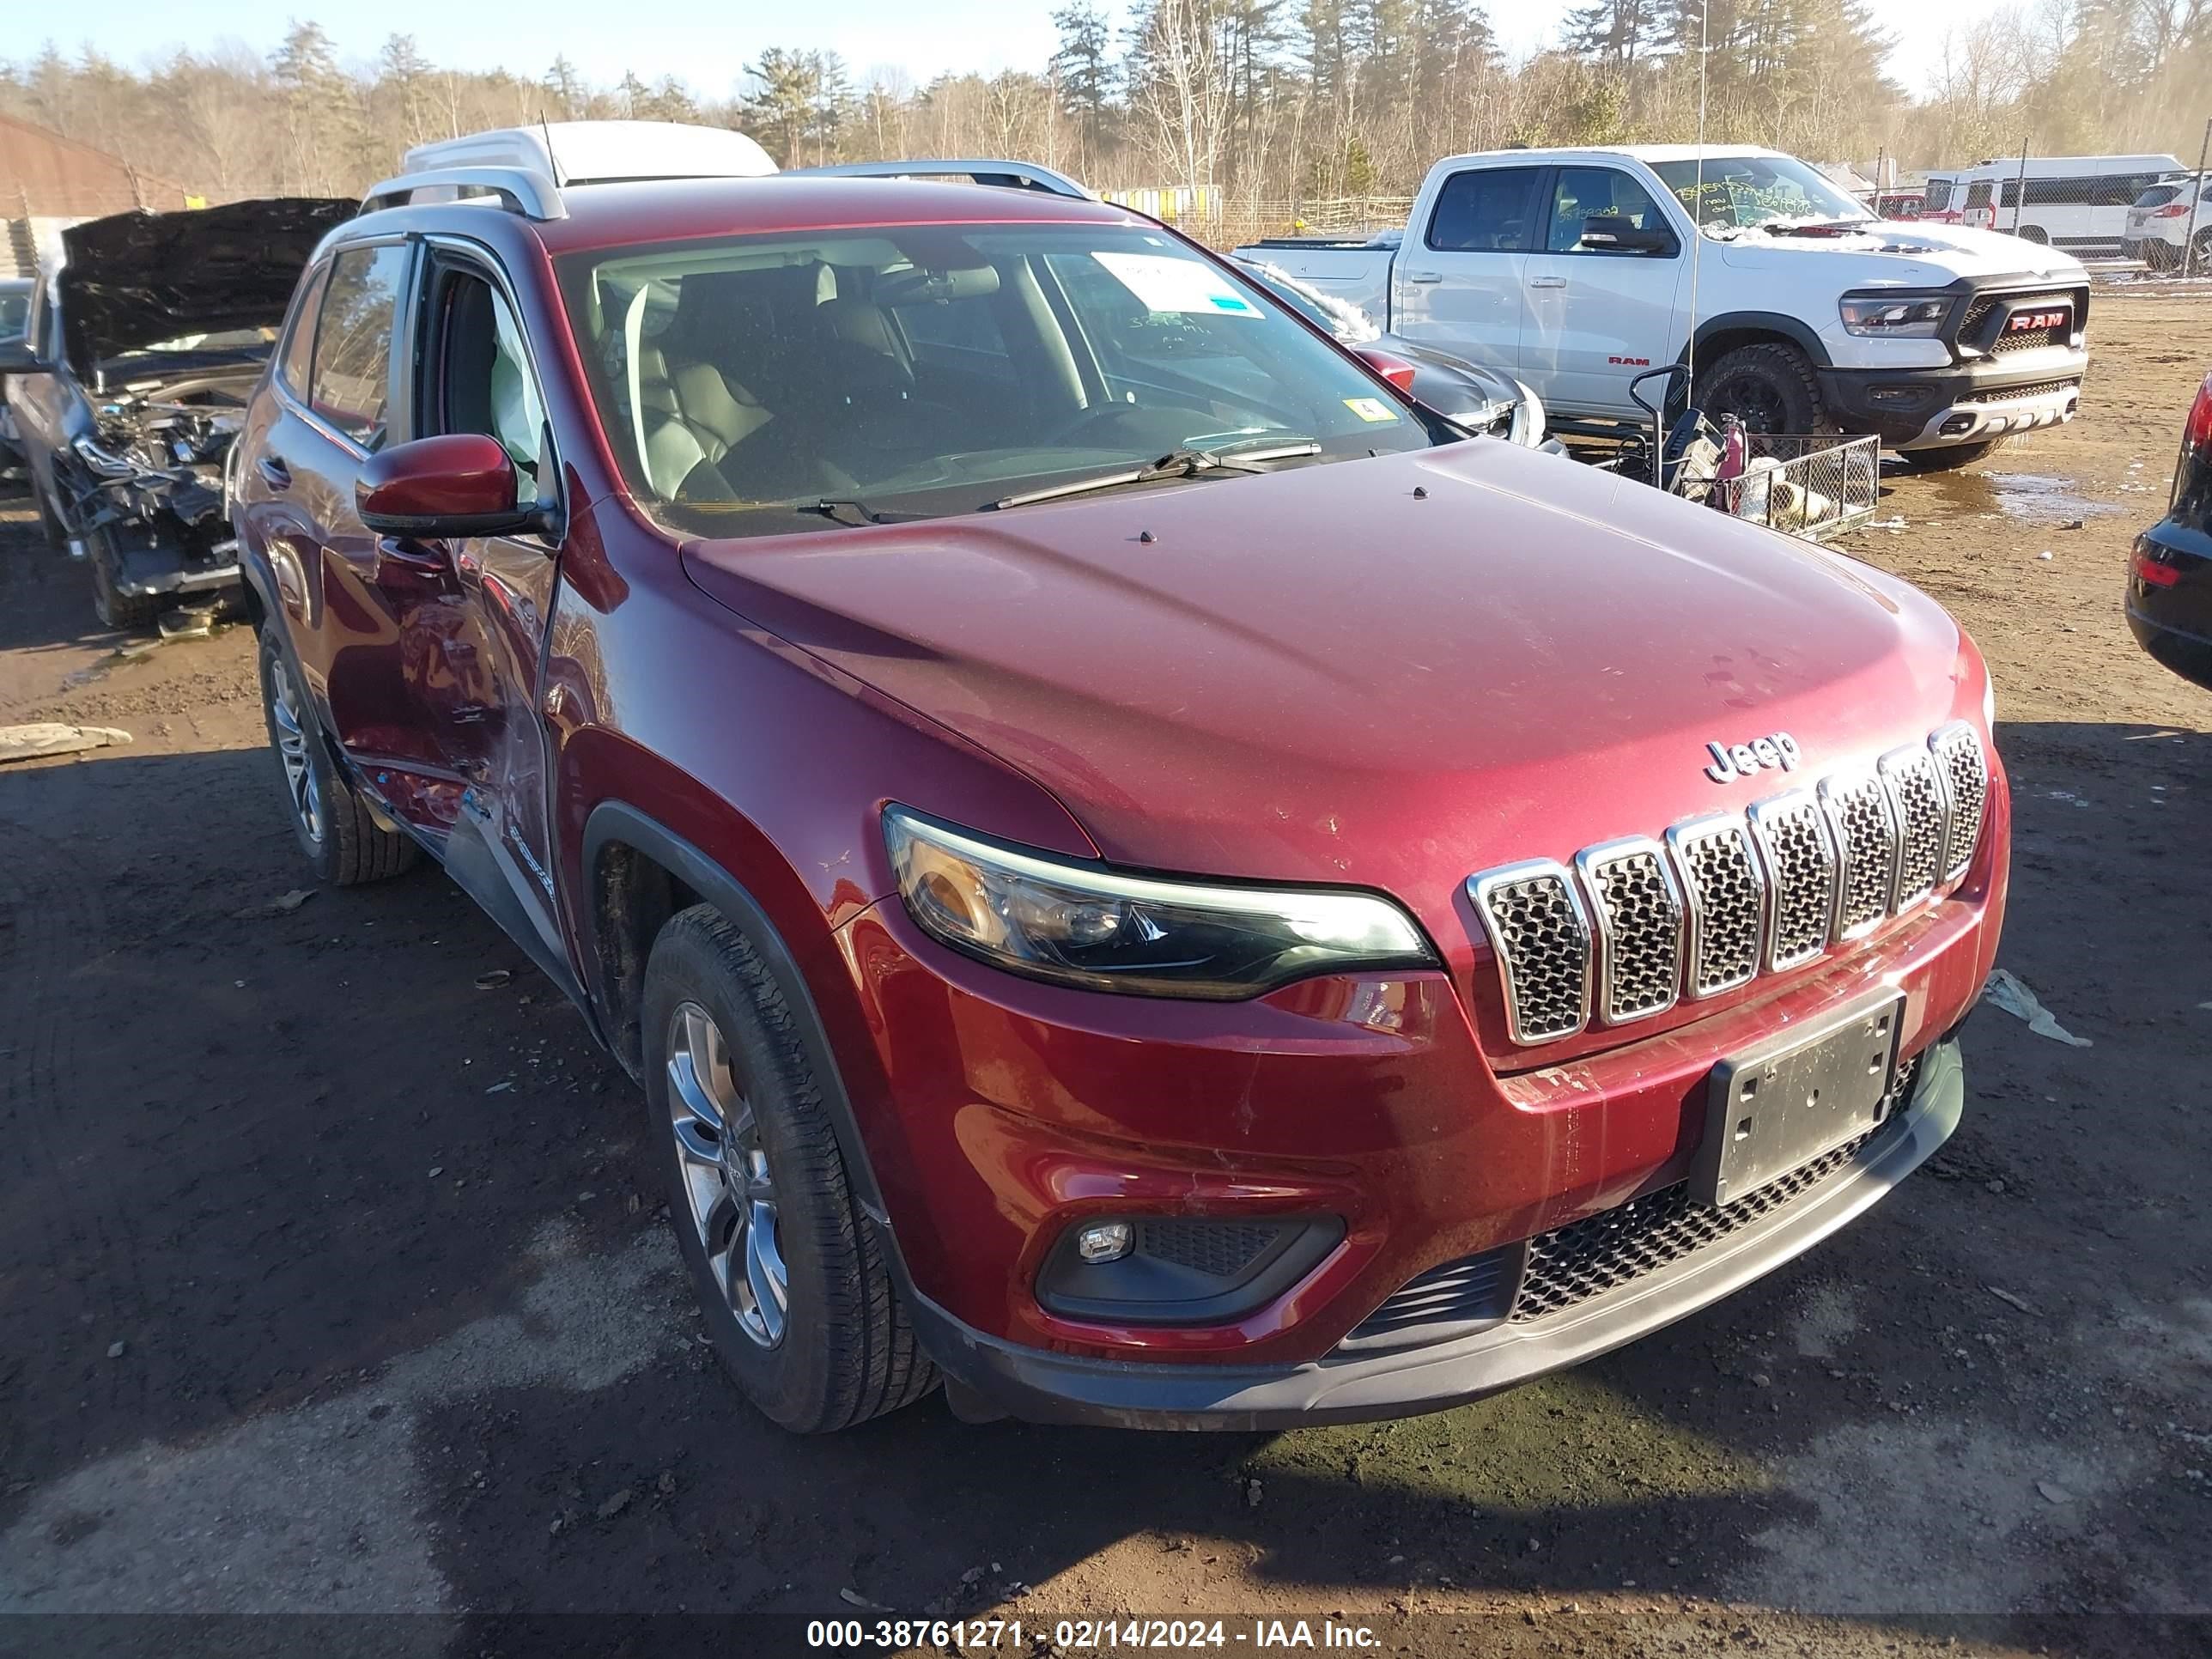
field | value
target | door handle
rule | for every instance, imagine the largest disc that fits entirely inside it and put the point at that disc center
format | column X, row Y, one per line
column 1547, row 281
column 1424, row 276
column 273, row 470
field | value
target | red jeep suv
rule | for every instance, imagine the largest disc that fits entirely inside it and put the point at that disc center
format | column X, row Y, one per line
column 1145, row 877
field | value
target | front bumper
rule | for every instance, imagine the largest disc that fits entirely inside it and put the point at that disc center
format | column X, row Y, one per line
column 1350, row 1384
column 1961, row 403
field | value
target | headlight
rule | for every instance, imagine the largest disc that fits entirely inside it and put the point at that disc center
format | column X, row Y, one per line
column 1529, row 423
column 1079, row 925
column 1894, row 319
column 1989, row 700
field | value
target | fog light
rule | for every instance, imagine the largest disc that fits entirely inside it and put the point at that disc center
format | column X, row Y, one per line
column 1104, row 1240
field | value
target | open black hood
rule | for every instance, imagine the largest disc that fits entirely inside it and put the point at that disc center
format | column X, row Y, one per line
column 135, row 279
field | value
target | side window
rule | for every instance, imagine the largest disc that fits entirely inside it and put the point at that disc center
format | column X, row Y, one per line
column 1596, row 193
column 484, row 380
column 299, row 344
column 1489, row 210
column 1977, row 194
column 353, row 342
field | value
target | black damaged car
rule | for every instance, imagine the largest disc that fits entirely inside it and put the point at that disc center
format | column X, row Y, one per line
column 2170, row 567
column 130, row 380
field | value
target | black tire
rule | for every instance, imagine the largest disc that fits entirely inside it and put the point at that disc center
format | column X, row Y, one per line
column 115, row 609
column 1769, row 387
column 333, row 825
column 1948, row 459
column 847, row 1349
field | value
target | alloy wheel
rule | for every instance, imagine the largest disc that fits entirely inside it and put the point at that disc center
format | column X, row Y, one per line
column 729, row 1188
column 286, row 713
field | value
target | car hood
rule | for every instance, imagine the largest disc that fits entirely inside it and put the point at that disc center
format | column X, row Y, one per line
column 135, row 279
column 1388, row 671
column 1911, row 255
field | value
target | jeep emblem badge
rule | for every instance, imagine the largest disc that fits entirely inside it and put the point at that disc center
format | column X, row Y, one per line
column 1740, row 760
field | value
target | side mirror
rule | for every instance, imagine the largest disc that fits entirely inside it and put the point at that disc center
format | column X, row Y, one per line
column 19, row 356
column 1391, row 367
column 1613, row 233
column 459, row 485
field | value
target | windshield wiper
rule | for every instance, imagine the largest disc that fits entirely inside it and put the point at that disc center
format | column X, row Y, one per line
column 850, row 512
column 1178, row 463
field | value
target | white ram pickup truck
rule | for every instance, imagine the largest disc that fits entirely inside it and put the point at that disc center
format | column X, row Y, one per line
column 1578, row 270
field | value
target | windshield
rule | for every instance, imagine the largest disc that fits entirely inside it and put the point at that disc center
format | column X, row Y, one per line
column 917, row 371
column 1742, row 191
column 225, row 340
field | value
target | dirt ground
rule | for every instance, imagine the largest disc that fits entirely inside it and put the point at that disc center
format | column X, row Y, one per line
column 330, row 1283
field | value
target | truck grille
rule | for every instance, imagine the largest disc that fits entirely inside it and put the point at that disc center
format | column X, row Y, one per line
column 1638, row 924
column 1999, row 394
column 1983, row 326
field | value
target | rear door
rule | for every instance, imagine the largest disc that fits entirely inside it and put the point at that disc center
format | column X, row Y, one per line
column 1598, row 317
column 1458, row 285
column 338, row 399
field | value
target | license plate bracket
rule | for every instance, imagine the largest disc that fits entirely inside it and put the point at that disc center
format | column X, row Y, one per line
column 1785, row 1102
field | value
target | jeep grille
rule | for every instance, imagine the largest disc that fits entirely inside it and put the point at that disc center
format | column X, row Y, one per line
column 1636, row 925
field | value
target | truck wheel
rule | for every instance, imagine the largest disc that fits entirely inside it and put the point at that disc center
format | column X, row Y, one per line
column 791, row 1277
column 114, row 608
column 333, row 825
column 1948, row 459
column 1768, row 386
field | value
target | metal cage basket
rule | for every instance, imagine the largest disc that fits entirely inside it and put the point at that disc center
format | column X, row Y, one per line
column 1814, row 486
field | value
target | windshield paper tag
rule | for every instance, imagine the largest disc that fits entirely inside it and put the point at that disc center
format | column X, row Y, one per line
column 1166, row 284
column 1371, row 409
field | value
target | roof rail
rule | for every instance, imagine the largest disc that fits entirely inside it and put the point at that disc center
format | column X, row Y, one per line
column 1009, row 174
column 520, row 189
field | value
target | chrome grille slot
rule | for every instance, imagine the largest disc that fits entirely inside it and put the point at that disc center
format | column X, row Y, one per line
column 1800, row 856
column 1916, row 795
column 1638, row 906
column 1727, row 902
column 1958, row 752
column 1536, row 925
column 1638, row 926
column 1864, row 824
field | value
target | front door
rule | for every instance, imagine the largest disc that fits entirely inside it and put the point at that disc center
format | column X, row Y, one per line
column 1599, row 317
column 1457, row 282
column 474, row 650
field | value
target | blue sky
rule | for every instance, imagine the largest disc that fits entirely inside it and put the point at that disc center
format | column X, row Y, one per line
column 708, row 46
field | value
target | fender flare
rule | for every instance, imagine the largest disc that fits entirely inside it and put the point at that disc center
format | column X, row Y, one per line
column 1796, row 330
column 618, row 821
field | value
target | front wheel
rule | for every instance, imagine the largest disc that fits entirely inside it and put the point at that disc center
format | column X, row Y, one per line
column 114, row 608
column 1770, row 387
column 1947, row 458
column 791, row 1277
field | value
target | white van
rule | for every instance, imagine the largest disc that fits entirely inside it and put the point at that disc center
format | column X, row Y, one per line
column 2079, row 203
